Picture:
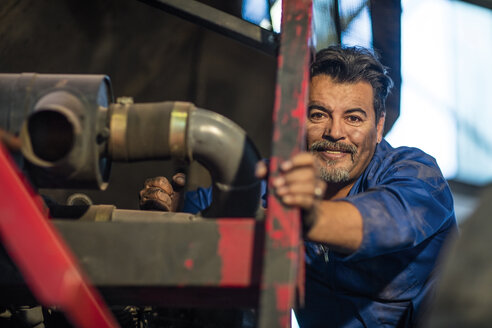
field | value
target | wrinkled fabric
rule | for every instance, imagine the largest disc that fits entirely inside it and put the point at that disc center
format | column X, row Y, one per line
column 408, row 214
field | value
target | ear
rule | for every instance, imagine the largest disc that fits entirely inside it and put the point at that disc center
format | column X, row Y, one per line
column 380, row 127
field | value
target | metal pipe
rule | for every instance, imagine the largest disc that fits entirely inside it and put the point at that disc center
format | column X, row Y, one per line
column 225, row 150
column 189, row 133
column 63, row 122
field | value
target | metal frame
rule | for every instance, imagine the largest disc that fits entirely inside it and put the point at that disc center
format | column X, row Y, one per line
column 214, row 262
column 221, row 22
column 284, row 261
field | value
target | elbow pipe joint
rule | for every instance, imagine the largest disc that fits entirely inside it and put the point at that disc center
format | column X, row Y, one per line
column 229, row 155
column 189, row 133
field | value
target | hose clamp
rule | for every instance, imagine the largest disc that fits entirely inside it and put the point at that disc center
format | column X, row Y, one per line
column 178, row 129
column 117, row 127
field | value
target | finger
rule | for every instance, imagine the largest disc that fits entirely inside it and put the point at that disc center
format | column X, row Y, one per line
column 179, row 181
column 299, row 176
column 261, row 170
column 155, row 194
column 307, row 192
column 304, row 201
column 155, row 181
column 303, row 159
column 159, row 182
column 155, row 198
column 301, row 188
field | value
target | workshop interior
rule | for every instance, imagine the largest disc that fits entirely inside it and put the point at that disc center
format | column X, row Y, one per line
column 97, row 96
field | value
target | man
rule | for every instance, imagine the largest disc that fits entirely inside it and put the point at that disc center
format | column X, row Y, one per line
column 375, row 217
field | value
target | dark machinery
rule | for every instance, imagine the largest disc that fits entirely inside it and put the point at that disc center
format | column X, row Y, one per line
column 232, row 256
column 71, row 132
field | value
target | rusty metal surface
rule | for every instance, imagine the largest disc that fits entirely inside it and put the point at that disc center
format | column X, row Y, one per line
column 173, row 253
column 283, row 245
column 166, row 262
column 42, row 256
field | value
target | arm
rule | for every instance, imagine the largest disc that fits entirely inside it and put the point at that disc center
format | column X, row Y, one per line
column 404, row 201
column 337, row 224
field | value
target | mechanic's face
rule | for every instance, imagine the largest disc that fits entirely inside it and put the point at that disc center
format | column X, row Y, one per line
column 341, row 128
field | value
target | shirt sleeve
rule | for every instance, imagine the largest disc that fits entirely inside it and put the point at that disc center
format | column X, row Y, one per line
column 408, row 204
column 197, row 200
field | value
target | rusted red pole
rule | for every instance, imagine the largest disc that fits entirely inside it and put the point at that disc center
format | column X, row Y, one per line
column 283, row 243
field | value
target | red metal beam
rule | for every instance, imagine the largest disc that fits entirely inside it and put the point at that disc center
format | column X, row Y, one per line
column 41, row 255
column 283, row 246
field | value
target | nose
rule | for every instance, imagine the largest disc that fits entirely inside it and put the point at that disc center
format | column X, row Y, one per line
column 334, row 130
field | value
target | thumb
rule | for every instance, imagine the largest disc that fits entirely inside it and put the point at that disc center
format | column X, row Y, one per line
column 178, row 183
column 261, row 170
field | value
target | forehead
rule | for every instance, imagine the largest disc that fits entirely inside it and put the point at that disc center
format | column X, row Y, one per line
column 332, row 95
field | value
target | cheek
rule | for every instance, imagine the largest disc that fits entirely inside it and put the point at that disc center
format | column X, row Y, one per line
column 363, row 136
column 365, row 142
column 313, row 132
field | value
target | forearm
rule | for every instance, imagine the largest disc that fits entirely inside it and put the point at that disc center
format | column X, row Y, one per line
column 337, row 224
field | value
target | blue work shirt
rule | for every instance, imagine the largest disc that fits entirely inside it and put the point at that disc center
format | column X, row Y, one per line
column 407, row 212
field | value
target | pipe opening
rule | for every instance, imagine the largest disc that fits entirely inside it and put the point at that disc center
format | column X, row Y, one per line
column 51, row 134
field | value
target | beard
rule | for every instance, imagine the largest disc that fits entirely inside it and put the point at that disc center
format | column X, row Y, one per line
column 334, row 175
column 327, row 170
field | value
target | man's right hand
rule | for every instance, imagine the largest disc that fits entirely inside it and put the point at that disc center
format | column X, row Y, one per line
column 161, row 195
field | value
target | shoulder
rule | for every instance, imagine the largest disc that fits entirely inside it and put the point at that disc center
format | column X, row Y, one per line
column 402, row 161
column 385, row 153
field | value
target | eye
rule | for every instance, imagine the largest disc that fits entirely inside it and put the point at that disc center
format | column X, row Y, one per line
column 354, row 119
column 316, row 115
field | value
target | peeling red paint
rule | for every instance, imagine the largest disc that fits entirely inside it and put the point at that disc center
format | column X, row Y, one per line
column 188, row 263
column 283, row 245
column 280, row 62
column 284, row 228
column 292, row 255
column 284, row 293
column 236, row 251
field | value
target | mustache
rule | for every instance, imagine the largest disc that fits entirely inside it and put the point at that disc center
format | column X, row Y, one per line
column 322, row 145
